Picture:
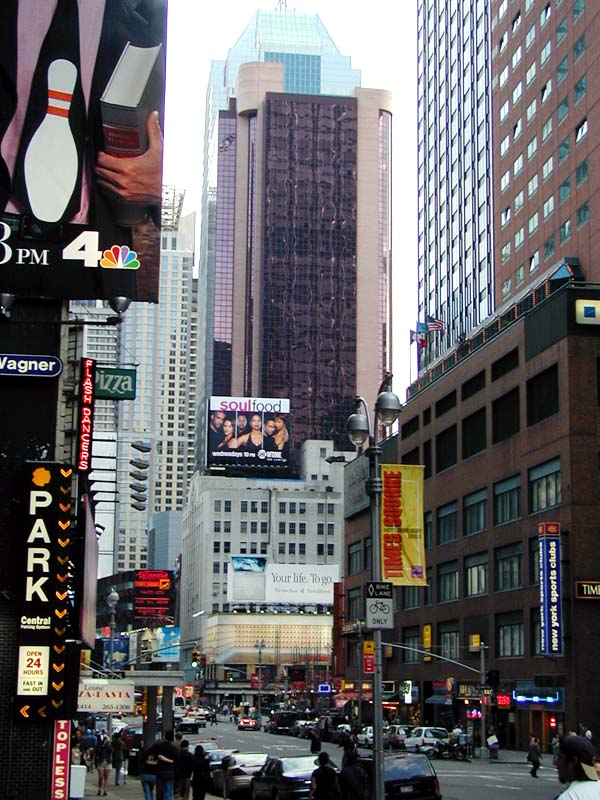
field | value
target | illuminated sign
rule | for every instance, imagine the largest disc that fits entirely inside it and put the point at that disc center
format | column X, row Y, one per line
column 503, row 699
column 248, row 434
column 368, row 664
column 153, row 595
column 61, row 747
column 427, row 640
column 114, row 383
column 547, row 699
column 98, row 694
column 402, row 540
column 30, row 366
column 587, row 590
column 550, row 589
column 85, row 421
column 42, row 651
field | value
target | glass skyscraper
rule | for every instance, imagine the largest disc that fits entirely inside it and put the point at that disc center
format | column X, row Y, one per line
column 455, row 248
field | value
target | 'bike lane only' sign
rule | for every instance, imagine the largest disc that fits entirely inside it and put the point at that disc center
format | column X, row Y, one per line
column 379, row 605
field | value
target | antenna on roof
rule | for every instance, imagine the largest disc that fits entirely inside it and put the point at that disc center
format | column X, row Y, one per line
column 281, row 5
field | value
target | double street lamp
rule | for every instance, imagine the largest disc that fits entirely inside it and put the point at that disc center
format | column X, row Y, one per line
column 360, row 431
column 259, row 645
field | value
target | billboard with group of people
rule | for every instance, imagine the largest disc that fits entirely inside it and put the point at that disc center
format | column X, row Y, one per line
column 248, row 433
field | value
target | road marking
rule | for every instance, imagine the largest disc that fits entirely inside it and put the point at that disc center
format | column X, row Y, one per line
column 503, row 786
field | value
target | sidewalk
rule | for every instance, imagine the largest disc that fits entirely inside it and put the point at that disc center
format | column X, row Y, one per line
column 124, row 791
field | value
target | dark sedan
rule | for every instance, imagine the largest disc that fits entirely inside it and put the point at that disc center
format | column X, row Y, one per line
column 234, row 776
column 284, row 778
column 215, row 758
column 407, row 775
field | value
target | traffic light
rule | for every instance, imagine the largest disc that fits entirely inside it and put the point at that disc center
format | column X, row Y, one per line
column 552, row 722
column 195, row 659
column 493, row 678
column 228, row 675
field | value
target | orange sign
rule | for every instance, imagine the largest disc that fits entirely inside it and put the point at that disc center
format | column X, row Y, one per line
column 402, row 541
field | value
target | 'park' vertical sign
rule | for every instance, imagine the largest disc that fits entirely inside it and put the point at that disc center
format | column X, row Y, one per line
column 46, row 541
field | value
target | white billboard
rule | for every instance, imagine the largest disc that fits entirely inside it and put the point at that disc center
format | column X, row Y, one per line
column 301, row 583
column 246, row 579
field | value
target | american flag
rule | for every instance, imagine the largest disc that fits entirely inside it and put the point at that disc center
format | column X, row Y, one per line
column 434, row 324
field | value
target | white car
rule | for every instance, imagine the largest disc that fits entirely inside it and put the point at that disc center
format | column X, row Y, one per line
column 425, row 737
column 365, row 737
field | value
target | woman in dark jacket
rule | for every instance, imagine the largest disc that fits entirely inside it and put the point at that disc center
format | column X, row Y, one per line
column 201, row 773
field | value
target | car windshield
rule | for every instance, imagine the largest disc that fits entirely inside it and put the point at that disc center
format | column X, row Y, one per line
column 247, row 759
column 407, row 767
column 300, row 764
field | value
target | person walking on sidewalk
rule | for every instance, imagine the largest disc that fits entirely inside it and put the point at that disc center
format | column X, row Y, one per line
column 103, row 762
column 534, row 755
column 118, row 756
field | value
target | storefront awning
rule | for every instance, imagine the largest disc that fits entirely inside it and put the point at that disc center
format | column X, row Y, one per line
column 438, row 699
column 391, row 696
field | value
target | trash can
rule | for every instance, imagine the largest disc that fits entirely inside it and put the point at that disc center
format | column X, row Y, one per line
column 133, row 767
column 77, row 785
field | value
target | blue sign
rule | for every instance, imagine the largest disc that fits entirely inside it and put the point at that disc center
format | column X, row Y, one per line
column 551, row 640
column 30, row 366
column 324, row 688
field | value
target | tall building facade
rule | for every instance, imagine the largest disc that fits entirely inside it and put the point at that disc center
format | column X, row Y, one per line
column 455, row 242
column 546, row 141
column 298, row 228
column 161, row 341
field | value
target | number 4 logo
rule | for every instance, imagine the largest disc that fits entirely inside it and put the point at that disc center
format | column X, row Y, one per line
column 85, row 248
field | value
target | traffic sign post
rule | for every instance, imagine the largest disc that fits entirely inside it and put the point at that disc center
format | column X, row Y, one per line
column 379, row 605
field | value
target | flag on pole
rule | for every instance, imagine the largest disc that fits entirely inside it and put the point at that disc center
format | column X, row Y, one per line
column 433, row 324
column 421, row 327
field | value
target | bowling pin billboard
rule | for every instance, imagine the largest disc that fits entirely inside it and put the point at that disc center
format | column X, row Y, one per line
column 81, row 149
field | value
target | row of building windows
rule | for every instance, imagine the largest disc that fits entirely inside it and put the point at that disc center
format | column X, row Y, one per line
column 252, row 507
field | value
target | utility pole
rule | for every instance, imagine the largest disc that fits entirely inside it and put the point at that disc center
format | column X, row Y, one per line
column 482, row 649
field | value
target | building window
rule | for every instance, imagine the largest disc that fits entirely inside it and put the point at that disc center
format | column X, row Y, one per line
column 253, row 507
column 447, row 523
column 428, row 529
column 282, row 528
column 532, row 185
column 545, row 53
column 302, row 549
column 217, row 526
column 562, row 70
column 564, row 191
column 520, row 274
column 530, row 37
column 244, row 506
column 546, row 129
column 518, row 164
column 509, row 635
column 534, row 561
column 548, row 206
column 532, row 147
column 504, row 109
column 533, row 223
column 565, row 231
column 475, row 512
column 449, row 644
column 354, row 558
column 355, row 609
column 562, row 110
column 474, row 432
column 503, row 76
column 578, row 48
column 530, row 74
column 516, row 23
column 216, row 568
column 505, row 217
column 583, row 215
column 302, row 528
column 427, row 599
column 517, row 92
column 581, row 172
column 534, row 261
column 476, row 575
column 504, row 145
column 216, row 547
column 281, row 548
column 517, row 129
column 411, row 638
column 509, row 567
column 503, row 42
column 505, row 181
column 505, row 416
column 545, row 15
column 505, row 252
column 547, row 168
column 368, row 552
column 507, row 500
column 549, row 246
column 563, row 150
column 546, row 91
column 578, row 9
column 581, row 131
column 409, row 597
column 264, row 507
column 519, row 201
column 544, row 486
column 531, row 110
column 217, row 506
column 447, row 582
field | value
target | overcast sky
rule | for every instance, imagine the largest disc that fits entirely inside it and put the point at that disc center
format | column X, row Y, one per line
column 380, row 36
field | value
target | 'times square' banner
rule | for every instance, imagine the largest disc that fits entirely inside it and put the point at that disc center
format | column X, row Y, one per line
column 81, row 148
column 402, row 539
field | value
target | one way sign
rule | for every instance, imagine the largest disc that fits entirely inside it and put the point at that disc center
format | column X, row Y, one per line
column 379, row 605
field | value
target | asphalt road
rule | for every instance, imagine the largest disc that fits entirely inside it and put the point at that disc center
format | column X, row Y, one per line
column 471, row 780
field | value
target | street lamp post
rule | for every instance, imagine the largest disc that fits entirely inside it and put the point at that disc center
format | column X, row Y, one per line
column 112, row 601
column 359, row 429
column 259, row 645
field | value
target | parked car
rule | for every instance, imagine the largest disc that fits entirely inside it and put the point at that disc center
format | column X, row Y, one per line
column 298, row 727
column 215, row 759
column 423, row 737
column 328, row 724
column 365, row 737
column 397, row 735
column 284, row 778
column 406, row 775
column 281, row 721
column 233, row 777
column 338, row 733
column 248, row 724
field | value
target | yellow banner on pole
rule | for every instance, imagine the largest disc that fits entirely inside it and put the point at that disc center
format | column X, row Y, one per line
column 402, row 536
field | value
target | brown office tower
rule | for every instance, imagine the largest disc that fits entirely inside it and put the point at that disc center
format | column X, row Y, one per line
column 302, row 261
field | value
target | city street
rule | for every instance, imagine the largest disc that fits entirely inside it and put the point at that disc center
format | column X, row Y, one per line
column 471, row 780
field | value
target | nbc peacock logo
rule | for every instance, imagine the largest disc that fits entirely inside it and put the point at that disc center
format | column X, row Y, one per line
column 120, row 257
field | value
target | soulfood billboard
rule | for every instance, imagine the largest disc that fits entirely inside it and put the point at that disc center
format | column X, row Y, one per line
column 248, row 433
column 81, row 149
